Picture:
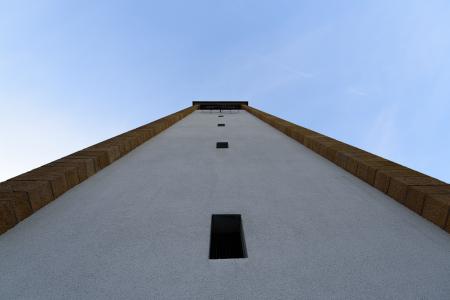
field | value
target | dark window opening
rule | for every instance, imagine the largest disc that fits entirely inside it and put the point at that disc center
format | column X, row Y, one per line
column 221, row 145
column 220, row 116
column 227, row 237
column 221, row 125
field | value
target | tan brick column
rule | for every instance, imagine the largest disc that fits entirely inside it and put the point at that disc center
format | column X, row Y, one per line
column 24, row 194
column 423, row 194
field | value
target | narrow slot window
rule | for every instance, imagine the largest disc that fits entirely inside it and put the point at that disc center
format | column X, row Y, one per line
column 221, row 145
column 227, row 237
column 221, row 125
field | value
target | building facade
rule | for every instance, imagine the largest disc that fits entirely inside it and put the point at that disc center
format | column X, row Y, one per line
column 223, row 201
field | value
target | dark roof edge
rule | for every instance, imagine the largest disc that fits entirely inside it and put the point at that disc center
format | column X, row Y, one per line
column 219, row 105
column 219, row 102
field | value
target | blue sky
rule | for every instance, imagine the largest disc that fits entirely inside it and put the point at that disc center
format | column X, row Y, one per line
column 375, row 74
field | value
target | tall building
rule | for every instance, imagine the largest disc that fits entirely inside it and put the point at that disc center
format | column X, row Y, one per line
column 224, row 201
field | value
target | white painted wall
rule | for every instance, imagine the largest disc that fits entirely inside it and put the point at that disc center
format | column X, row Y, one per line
column 140, row 228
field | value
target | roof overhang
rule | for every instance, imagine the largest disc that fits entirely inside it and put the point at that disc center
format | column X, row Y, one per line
column 220, row 104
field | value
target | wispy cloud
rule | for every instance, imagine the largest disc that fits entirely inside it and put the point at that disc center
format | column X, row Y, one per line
column 382, row 137
column 356, row 92
column 293, row 71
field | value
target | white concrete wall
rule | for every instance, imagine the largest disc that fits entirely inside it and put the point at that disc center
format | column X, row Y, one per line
column 140, row 228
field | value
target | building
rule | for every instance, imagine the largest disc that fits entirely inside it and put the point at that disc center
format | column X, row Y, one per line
column 223, row 201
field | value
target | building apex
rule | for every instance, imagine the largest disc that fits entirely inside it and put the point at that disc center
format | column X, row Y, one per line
column 219, row 104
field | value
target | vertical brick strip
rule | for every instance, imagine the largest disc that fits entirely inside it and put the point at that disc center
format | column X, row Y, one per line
column 24, row 194
column 423, row 194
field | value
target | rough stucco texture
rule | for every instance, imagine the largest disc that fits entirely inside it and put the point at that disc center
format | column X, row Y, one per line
column 140, row 228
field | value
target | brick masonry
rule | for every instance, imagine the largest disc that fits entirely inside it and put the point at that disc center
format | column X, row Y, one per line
column 24, row 194
column 423, row 194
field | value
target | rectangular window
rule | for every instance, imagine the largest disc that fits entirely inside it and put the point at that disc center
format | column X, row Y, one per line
column 221, row 145
column 221, row 125
column 227, row 237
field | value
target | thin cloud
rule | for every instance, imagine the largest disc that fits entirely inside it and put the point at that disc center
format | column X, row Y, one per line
column 356, row 92
column 382, row 135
